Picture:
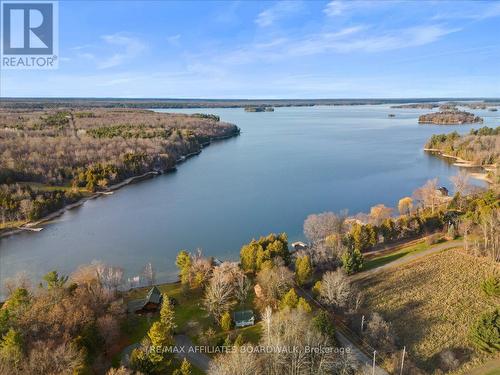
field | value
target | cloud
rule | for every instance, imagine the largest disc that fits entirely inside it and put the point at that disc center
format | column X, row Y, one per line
column 353, row 39
column 335, row 8
column 129, row 47
column 340, row 7
column 174, row 39
column 478, row 14
column 278, row 11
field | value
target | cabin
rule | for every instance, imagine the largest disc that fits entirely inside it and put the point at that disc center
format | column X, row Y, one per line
column 243, row 318
column 150, row 304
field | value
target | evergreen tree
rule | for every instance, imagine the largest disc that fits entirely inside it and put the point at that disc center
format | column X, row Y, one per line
column 167, row 315
column 11, row 347
column 226, row 321
column 485, row 333
column 183, row 262
column 303, row 269
column 352, row 261
column 185, row 367
column 324, row 324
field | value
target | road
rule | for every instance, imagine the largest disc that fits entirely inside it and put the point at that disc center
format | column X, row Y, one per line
column 409, row 258
column 197, row 359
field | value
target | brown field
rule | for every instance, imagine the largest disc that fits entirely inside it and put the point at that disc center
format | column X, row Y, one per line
column 431, row 304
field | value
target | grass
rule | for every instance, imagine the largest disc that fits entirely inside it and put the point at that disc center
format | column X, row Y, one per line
column 388, row 258
column 432, row 304
column 190, row 317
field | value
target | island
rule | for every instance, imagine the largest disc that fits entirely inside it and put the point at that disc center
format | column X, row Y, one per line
column 259, row 109
column 416, row 106
column 449, row 118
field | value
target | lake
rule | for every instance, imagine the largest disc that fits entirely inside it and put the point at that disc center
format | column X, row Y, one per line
column 284, row 166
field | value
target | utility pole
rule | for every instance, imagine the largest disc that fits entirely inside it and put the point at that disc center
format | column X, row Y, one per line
column 403, row 360
column 362, row 323
column 373, row 368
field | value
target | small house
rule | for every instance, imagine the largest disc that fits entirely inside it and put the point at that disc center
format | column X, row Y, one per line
column 150, row 304
column 243, row 318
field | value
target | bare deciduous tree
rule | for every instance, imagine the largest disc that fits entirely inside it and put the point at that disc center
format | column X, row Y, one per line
column 218, row 297
column 318, row 226
column 336, row 289
column 427, row 195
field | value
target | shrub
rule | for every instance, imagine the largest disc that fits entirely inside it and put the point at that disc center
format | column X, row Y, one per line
column 491, row 286
column 485, row 333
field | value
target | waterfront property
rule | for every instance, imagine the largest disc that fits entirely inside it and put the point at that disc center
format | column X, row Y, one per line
column 150, row 304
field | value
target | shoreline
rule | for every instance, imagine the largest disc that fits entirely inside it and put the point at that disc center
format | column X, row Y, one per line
column 128, row 181
column 462, row 163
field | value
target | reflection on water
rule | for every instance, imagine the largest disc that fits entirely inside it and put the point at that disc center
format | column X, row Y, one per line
column 285, row 165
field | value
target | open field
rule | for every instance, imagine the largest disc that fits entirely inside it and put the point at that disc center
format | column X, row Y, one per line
column 432, row 304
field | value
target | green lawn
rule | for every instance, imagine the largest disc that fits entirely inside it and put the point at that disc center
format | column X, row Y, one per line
column 190, row 317
column 388, row 258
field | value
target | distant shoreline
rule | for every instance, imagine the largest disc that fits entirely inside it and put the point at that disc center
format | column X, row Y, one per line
column 176, row 103
column 459, row 162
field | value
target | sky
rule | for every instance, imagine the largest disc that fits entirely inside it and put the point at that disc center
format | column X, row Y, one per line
column 285, row 49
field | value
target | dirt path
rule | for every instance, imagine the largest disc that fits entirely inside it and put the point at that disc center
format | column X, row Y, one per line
column 409, row 258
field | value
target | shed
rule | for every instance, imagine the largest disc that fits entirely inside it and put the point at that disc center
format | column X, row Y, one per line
column 243, row 318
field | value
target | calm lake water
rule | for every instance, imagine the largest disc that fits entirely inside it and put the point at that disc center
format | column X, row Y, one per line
column 284, row 166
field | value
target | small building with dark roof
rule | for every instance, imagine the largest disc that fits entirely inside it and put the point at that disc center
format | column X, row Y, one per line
column 243, row 318
column 150, row 304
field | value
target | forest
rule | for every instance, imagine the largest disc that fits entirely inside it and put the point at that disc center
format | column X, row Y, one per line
column 88, row 151
column 481, row 147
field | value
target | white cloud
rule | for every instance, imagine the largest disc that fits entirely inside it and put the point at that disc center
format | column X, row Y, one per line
column 335, row 8
column 129, row 48
column 174, row 39
column 360, row 38
column 278, row 11
column 481, row 13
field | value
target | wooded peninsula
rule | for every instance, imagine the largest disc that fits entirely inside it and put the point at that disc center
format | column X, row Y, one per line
column 51, row 158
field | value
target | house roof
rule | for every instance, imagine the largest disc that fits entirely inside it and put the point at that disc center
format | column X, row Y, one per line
column 154, row 295
column 244, row 315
